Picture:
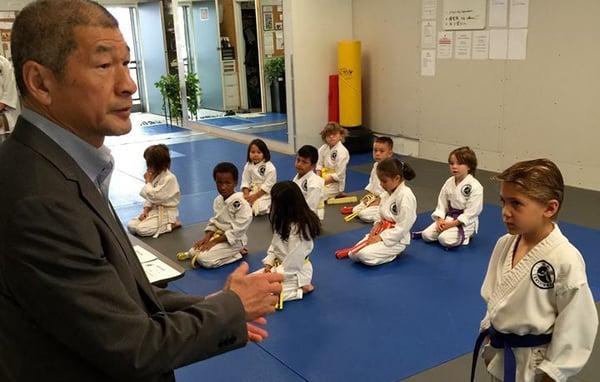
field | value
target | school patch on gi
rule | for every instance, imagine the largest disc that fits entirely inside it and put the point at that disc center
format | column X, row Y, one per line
column 237, row 204
column 305, row 185
column 543, row 275
column 394, row 209
column 466, row 190
column 262, row 169
column 333, row 155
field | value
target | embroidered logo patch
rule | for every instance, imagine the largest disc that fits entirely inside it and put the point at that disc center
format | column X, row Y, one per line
column 333, row 155
column 262, row 169
column 466, row 190
column 237, row 204
column 305, row 185
column 394, row 209
column 543, row 275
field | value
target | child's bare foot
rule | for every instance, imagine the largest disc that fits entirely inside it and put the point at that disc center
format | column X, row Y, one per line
column 176, row 225
column 308, row 288
column 244, row 251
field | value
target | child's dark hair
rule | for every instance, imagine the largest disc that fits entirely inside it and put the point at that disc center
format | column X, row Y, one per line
column 288, row 207
column 310, row 152
column 333, row 127
column 262, row 147
column 385, row 140
column 539, row 179
column 225, row 167
column 393, row 166
column 464, row 155
column 157, row 157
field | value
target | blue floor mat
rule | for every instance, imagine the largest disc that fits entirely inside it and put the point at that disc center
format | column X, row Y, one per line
column 276, row 135
column 268, row 118
column 227, row 121
column 160, row 129
column 388, row 322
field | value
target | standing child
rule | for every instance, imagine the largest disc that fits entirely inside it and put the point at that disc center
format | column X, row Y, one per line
column 397, row 210
column 294, row 228
column 258, row 177
column 541, row 320
column 383, row 148
column 333, row 159
column 225, row 235
column 456, row 217
column 311, row 185
column 161, row 194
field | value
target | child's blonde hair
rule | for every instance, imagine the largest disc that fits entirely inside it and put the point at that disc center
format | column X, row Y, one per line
column 333, row 127
column 538, row 179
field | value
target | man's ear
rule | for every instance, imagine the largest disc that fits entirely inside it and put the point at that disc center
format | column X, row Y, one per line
column 39, row 81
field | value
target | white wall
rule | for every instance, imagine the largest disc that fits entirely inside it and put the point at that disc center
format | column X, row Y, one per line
column 545, row 106
column 317, row 26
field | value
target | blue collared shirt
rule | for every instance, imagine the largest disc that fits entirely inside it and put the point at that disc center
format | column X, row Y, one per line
column 97, row 163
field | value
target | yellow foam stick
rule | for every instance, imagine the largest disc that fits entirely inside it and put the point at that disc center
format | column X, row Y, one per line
column 366, row 200
column 327, row 171
column 279, row 305
column 344, row 200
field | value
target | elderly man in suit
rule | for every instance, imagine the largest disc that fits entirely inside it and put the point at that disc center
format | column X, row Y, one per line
column 75, row 304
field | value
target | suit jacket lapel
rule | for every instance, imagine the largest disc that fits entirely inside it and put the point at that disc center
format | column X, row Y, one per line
column 31, row 136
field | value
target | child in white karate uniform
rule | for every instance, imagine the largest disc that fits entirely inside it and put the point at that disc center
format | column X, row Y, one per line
column 456, row 217
column 538, row 300
column 383, row 148
column 333, row 159
column 295, row 226
column 225, row 236
column 161, row 194
column 398, row 206
column 258, row 177
column 311, row 185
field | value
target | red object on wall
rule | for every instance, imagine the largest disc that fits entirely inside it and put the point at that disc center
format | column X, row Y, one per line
column 334, row 99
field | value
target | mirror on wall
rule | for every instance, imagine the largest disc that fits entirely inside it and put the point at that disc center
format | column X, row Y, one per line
column 233, row 51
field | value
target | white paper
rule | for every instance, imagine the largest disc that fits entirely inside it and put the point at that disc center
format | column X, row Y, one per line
column 143, row 254
column 517, row 44
column 519, row 13
column 269, row 44
column 429, row 10
column 498, row 13
column 481, row 45
column 444, row 44
column 279, row 40
column 428, row 34
column 464, row 14
column 498, row 44
column 462, row 45
column 428, row 62
column 157, row 270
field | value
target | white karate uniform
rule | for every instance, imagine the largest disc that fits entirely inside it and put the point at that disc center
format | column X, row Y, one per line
column 163, row 196
column 370, row 214
column 311, row 186
column 466, row 196
column 9, row 94
column 401, row 208
column 335, row 158
column 294, row 263
column 232, row 216
column 263, row 176
column 546, row 292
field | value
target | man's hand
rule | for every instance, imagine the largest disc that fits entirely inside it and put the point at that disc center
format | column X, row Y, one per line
column 256, row 333
column 259, row 292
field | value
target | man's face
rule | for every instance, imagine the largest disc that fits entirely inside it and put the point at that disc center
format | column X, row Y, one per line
column 93, row 98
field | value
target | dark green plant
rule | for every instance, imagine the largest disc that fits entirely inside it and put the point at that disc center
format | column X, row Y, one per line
column 169, row 89
column 275, row 69
column 194, row 93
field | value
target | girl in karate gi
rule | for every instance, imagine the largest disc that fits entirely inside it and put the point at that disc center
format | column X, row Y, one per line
column 333, row 159
column 295, row 227
column 258, row 177
column 538, row 300
column 161, row 194
column 225, row 236
column 398, row 207
column 456, row 217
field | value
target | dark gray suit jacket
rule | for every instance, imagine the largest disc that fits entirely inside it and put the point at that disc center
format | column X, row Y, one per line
column 75, row 304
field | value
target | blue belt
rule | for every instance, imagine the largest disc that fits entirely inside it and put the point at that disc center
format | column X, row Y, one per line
column 507, row 341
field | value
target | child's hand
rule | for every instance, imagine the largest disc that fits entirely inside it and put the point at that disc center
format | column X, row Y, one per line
column 251, row 198
column 149, row 176
column 329, row 179
column 142, row 216
column 375, row 203
column 439, row 225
